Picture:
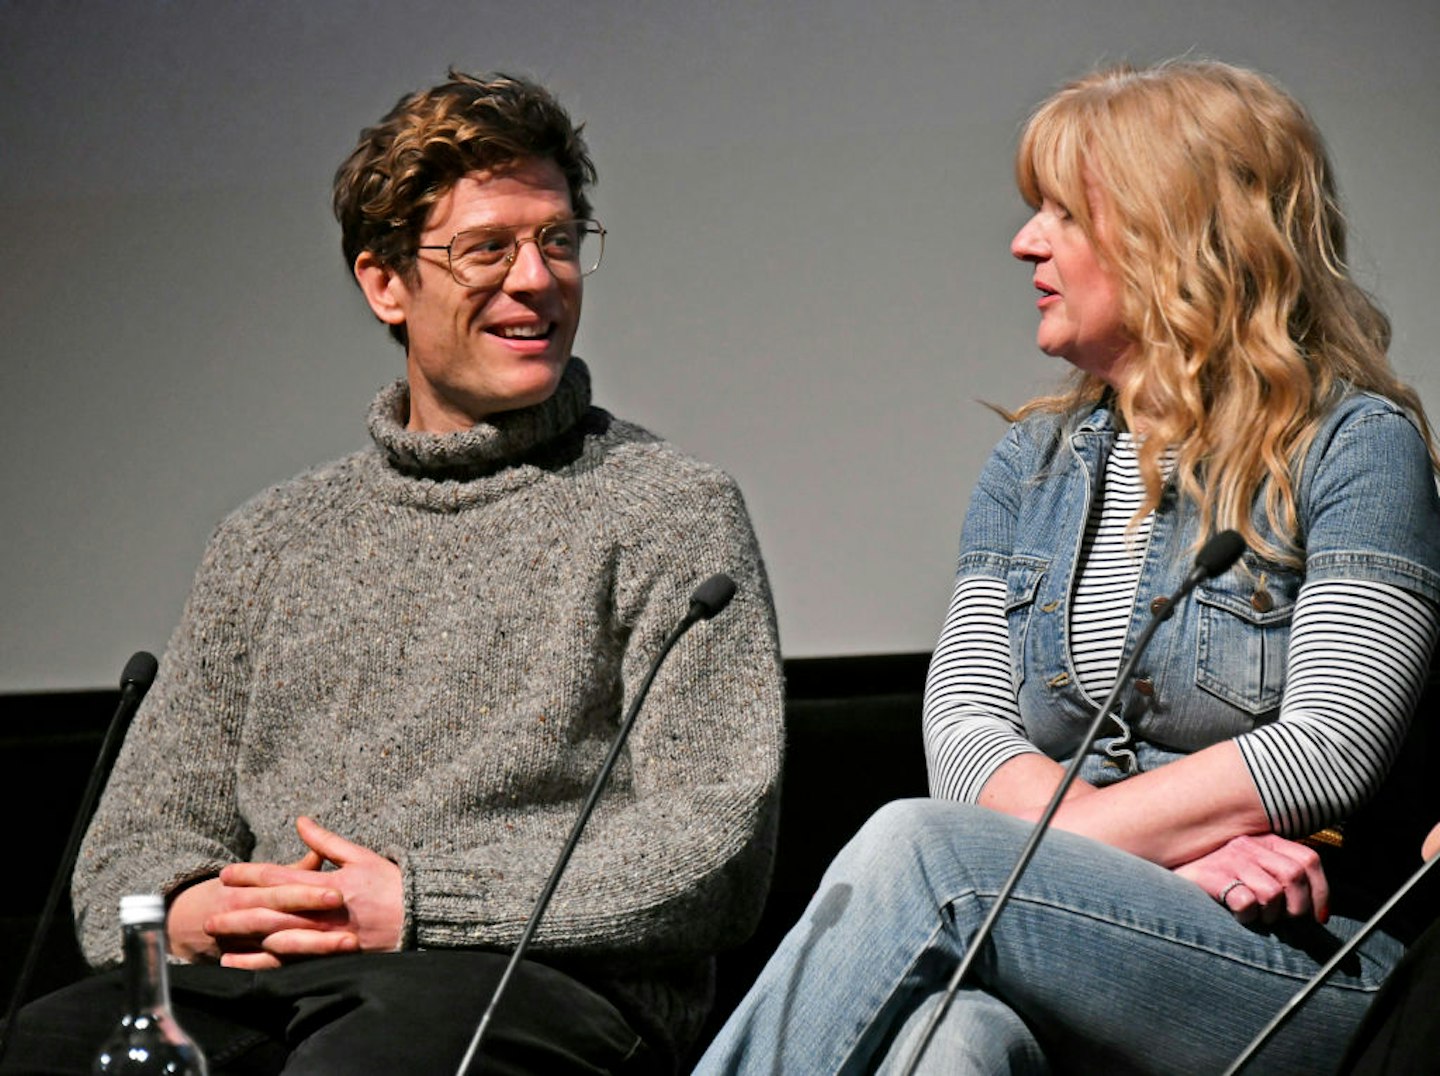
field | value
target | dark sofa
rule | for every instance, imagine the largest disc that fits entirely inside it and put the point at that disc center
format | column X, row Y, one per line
column 853, row 743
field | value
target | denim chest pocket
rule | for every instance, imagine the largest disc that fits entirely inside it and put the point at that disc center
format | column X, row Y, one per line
column 1022, row 585
column 1244, row 638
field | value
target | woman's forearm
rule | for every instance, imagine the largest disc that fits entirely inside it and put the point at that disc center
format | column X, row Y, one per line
column 1170, row 816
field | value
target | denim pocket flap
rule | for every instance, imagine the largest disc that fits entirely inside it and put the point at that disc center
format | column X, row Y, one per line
column 1022, row 581
column 1241, row 646
column 1280, row 606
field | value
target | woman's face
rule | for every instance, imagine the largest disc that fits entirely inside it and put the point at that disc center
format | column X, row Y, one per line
column 1080, row 318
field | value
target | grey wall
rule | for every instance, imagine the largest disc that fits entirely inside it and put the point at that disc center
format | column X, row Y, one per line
column 807, row 279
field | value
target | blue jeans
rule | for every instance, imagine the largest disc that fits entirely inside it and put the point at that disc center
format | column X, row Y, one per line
column 1102, row 962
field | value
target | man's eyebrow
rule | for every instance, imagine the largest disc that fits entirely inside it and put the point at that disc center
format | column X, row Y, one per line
column 557, row 218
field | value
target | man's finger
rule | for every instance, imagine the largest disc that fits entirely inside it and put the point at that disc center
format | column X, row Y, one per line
column 237, row 893
column 331, row 845
column 310, row 861
column 303, row 942
column 286, row 946
column 249, row 961
column 260, row 923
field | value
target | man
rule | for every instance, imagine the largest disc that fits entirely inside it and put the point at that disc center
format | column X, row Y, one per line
column 397, row 675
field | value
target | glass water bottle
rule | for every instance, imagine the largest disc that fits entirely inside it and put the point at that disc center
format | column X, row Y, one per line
column 148, row 1041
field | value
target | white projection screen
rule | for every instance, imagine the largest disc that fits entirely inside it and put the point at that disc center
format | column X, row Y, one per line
column 807, row 277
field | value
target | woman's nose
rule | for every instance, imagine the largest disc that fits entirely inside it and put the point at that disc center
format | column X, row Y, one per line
column 1029, row 243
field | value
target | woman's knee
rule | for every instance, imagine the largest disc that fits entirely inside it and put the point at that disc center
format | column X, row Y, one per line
column 937, row 845
column 902, row 820
column 901, row 825
column 902, row 835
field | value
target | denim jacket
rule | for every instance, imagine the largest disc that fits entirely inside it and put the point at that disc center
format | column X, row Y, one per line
column 1216, row 669
column 1367, row 509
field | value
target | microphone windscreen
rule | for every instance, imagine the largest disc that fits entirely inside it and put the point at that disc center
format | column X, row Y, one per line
column 1219, row 553
column 712, row 596
column 139, row 671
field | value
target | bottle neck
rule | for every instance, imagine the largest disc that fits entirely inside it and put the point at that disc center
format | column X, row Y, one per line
column 147, row 977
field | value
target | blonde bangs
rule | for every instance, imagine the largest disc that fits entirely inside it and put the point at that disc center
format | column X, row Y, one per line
column 1051, row 160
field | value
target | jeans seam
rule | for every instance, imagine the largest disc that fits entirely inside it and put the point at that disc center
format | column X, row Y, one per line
column 1187, row 943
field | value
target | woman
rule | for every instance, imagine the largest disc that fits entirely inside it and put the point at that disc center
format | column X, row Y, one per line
column 1188, row 251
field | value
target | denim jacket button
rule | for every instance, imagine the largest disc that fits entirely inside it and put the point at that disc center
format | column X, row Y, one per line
column 1261, row 601
column 1145, row 686
column 1157, row 605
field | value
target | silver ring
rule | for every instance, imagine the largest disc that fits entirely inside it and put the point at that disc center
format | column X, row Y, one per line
column 1225, row 893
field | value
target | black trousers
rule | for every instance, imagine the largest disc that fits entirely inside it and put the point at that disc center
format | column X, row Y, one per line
column 411, row 1012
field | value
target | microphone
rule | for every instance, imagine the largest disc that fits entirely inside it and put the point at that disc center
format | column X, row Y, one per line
column 138, row 675
column 708, row 600
column 711, row 597
column 135, row 681
column 1341, row 955
column 1214, row 558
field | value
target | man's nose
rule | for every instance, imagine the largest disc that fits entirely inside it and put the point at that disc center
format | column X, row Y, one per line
column 528, row 269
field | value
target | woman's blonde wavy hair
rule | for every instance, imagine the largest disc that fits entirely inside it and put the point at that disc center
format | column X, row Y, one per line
column 1225, row 232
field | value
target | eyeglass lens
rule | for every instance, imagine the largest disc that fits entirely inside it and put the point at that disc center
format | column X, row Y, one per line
column 479, row 252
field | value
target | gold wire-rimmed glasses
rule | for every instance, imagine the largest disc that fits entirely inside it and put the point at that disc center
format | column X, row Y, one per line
column 481, row 256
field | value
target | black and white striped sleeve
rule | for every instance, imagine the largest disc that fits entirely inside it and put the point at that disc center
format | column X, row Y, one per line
column 971, row 719
column 1358, row 656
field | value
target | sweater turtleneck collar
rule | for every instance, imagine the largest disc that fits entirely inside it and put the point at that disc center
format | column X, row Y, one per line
column 487, row 446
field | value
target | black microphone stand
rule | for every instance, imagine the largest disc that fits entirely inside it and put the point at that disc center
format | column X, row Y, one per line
column 1216, row 556
column 136, row 679
column 710, row 597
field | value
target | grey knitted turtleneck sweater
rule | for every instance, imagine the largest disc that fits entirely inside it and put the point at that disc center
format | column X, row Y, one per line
column 427, row 646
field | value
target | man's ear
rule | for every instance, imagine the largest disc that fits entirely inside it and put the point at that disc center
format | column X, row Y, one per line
column 384, row 288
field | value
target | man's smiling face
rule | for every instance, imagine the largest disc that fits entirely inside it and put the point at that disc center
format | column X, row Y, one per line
column 476, row 351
